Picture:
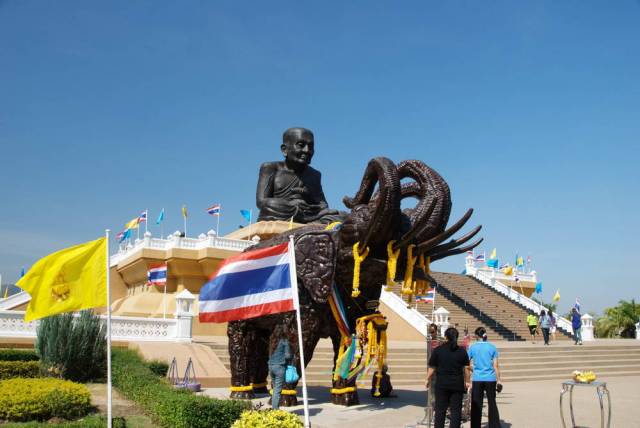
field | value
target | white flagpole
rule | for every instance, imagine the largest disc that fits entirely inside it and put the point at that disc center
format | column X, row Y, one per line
column 250, row 215
column 109, row 400
column 164, row 296
column 184, row 217
column 146, row 221
column 296, row 303
column 218, row 222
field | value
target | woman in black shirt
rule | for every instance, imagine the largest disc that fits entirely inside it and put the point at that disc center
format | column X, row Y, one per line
column 451, row 365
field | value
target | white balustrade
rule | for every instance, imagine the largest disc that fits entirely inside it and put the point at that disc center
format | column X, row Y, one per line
column 638, row 331
column 12, row 324
column 14, row 300
column 410, row 315
column 441, row 318
column 210, row 240
column 587, row 327
column 490, row 277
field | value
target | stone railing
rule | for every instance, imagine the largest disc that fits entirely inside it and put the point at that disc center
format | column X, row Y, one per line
column 490, row 278
column 178, row 329
column 15, row 300
column 410, row 315
column 210, row 240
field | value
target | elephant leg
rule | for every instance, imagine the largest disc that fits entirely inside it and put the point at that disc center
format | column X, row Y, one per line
column 240, row 347
column 260, row 360
column 343, row 393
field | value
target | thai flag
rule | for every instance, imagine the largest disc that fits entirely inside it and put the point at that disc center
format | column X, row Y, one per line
column 157, row 275
column 479, row 258
column 250, row 285
column 214, row 209
column 429, row 297
column 142, row 217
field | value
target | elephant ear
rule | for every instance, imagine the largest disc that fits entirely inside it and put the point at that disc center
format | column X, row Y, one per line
column 316, row 254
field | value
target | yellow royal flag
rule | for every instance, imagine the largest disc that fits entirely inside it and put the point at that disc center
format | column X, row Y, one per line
column 494, row 254
column 133, row 224
column 508, row 270
column 184, row 211
column 556, row 297
column 68, row 280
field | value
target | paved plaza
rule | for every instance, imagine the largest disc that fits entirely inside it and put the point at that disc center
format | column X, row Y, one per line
column 522, row 405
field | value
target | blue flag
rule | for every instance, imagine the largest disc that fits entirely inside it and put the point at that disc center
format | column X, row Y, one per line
column 493, row 263
column 22, row 272
column 538, row 287
column 246, row 214
column 160, row 217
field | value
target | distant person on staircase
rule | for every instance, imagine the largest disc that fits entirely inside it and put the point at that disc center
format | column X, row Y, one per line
column 450, row 363
column 485, row 378
column 545, row 325
column 532, row 322
column 576, row 323
column 554, row 326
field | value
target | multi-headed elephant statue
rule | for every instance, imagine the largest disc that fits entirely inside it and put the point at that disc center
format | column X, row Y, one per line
column 377, row 243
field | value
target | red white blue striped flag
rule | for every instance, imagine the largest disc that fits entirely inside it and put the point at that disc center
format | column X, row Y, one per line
column 429, row 297
column 250, row 285
column 157, row 275
column 214, row 209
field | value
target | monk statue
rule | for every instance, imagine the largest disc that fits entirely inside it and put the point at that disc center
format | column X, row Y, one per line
column 292, row 188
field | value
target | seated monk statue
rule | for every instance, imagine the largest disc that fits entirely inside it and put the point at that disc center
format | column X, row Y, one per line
column 292, row 188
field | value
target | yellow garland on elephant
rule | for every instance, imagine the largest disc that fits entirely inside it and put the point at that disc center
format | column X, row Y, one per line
column 241, row 388
column 407, row 288
column 392, row 264
column 357, row 260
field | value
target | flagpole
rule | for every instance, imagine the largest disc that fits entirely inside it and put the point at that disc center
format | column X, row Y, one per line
column 184, row 217
column 109, row 398
column 218, row 222
column 146, row 221
column 250, row 215
column 164, row 296
column 296, row 302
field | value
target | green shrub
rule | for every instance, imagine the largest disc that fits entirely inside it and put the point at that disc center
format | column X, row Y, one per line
column 73, row 349
column 18, row 355
column 267, row 419
column 11, row 369
column 42, row 399
column 169, row 407
column 92, row 421
column 160, row 368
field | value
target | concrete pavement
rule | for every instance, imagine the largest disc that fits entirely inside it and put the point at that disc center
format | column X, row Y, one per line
column 531, row 404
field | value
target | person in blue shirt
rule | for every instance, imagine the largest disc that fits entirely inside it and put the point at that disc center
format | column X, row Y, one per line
column 545, row 325
column 576, row 323
column 278, row 360
column 485, row 378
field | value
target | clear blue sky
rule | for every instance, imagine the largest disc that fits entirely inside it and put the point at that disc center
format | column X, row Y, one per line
column 530, row 110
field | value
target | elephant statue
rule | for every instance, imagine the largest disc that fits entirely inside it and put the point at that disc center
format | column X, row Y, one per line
column 354, row 261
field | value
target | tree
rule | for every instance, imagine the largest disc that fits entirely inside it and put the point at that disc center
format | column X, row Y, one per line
column 619, row 321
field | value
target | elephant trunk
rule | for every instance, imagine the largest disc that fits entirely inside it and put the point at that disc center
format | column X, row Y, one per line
column 385, row 208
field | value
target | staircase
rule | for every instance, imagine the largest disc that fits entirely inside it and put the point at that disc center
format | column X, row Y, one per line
column 407, row 365
column 461, row 315
column 519, row 362
column 488, row 305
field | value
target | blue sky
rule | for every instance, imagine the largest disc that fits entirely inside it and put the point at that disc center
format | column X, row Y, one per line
column 530, row 110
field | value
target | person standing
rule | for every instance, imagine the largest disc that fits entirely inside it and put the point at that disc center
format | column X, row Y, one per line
column 280, row 357
column 532, row 322
column 576, row 323
column 554, row 326
column 450, row 363
column 485, row 378
column 545, row 325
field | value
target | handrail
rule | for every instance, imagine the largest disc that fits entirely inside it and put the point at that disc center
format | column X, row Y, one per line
column 410, row 315
column 15, row 300
column 520, row 298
